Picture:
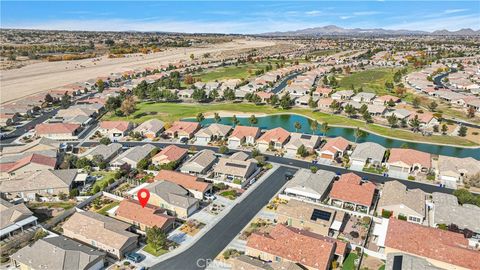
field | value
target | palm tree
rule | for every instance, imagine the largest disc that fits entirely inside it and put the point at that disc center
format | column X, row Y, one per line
column 314, row 126
column 200, row 117
column 235, row 120
column 216, row 117
column 357, row 133
column 324, row 128
column 253, row 120
column 297, row 126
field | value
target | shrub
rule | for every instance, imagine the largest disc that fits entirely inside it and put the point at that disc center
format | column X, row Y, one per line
column 411, row 177
column 223, row 149
column 314, row 169
column 402, row 217
column 386, row 213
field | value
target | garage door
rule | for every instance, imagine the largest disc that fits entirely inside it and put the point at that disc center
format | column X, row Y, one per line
column 233, row 144
column 357, row 165
column 396, row 172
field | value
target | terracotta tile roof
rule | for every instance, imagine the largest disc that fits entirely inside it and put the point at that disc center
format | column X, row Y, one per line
column 349, row 188
column 264, row 95
column 172, row 153
column 433, row 243
column 300, row 246
column 425, row 117
column 323, row 90
column 33, row 158
column 410, row 157
column 336, row 144
column 325, row 101
column 185, row 127
column 119, row 125
column 275, row 135
column 149, row 215
column 185, row 180
column 56, row 128
column 386, row 98
column 244, row 131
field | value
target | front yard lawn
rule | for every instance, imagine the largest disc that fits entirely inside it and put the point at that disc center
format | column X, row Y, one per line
column 153, row 252
column 64, row 205
column 229, row 194
column 349, row 263
column 106, row 208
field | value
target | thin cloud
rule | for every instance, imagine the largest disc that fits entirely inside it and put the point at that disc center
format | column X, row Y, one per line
column 366, row 13
column 451, row 11
column 448, row 23
column 313, row 12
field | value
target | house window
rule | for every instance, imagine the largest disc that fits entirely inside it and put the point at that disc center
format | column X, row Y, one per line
column 278, row 259
column 414, row 219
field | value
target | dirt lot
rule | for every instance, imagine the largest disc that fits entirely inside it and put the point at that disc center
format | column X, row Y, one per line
column 43, row 76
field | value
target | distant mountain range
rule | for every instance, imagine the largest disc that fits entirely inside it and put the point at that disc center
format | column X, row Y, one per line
column 333, row 30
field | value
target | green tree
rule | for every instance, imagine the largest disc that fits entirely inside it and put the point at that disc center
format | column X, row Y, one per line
column 302, row 151
column 471, row 112
column 314, row 126
column 141, row 90
column 335, row 106
column 74, row 193
column 312, row 103
column 392, row 120
column 100, row 85
column 223, row 149
column 156, row 238
column 105, row 141
column 416, row 102
column 358, row 133
column 444, row 129
column 297, row 126
column 273, row 100
column 350, row 110
column 199, row 95
column 216, row 117
column 414, row 123
column 462, row 131
column 432, row 106
column 235, row 120
column 253, row 120
column 65, row 101
column 82, row 163
column 213, row 95
column 367, row 117
column 113, row 103
column 200, row 117
column 325, row 128
column 192, row 56
column 285, row 101
column 363, row 109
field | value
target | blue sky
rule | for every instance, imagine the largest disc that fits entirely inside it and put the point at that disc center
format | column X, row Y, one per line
column 238, row 17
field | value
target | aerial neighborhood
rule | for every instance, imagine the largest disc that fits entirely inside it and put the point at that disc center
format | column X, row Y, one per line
column 273, row 152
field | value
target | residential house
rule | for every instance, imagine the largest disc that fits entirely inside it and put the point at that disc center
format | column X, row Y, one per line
column 59, row 253
column 452, row 171
column 173, row 198
column 115, row 130
column 102, row 232
column 181, row 129
column 404, row 162
column 351, row 193
column 447, row 211
column 58, row 131
column 442, row 248
column 364, row 97
column 400, row 114
column 322, row 92
column 376, row 110
column 282, row 243
column 314, row 218
column 43, row 146
column 273, row 139
column 150, row 129
column 243, row 135
column 189, row 182
column 146, row 217
column 170, row 154
column 236, row 171
column 106, row 152
column 367, row 153
column 334, row 148
column 343, row 95
column 14, row 219
column 426, row 119
column 265, row 96
column 213, row 132
column 45, row 183
column 200, row 163
column 8, row 119
column 244, row 262
column 310, row 142
column 399, row 201
column 385, row 99
column 27, row 164
column 132, row 156
column 309, row 186
column 324, row 104
column 304, row 101
column 405, row 261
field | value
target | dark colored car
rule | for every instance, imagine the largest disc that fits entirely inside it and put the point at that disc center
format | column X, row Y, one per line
column 134, row 257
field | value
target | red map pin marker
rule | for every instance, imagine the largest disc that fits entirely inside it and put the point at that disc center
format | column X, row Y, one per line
column 143, row 195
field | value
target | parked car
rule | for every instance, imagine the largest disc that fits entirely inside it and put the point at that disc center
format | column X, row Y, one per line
column 210, row 196
column 134, row 257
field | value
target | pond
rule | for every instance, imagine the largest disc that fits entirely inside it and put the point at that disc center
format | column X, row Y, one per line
column 287, row 121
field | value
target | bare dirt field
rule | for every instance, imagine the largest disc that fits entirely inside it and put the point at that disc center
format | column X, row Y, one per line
column 39, row 77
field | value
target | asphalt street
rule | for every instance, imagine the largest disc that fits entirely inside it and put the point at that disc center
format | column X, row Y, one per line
column 215, row 240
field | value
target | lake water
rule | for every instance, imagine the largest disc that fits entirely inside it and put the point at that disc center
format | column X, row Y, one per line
column 287, row 121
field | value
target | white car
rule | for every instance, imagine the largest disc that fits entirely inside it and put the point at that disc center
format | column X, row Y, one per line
column 210, row 196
